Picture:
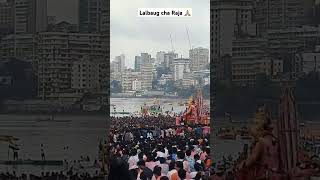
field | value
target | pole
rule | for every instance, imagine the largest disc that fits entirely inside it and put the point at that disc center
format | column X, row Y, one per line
column 8, row 151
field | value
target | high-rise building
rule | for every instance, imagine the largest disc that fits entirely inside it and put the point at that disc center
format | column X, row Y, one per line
column 6, row 18
column 160, row 57
column 105, row 17
column 121, row 62
column 41, row 15
column 92, row 15
column 229, row 19
column 146, row 75
column 30, row 16
column 181, row 67
column 199, row 59
column 137, row 63
column 169, row 58
column 145, row 58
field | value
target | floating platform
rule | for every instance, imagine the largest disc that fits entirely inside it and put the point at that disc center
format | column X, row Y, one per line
column 33, row 162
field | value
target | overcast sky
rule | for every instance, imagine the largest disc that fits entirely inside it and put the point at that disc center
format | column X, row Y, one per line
column 132, row 35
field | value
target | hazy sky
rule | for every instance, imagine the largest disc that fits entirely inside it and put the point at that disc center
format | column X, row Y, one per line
column 132, row 35
column 65, row 10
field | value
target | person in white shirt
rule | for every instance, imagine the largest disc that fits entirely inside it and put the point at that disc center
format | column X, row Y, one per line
column 133, row 159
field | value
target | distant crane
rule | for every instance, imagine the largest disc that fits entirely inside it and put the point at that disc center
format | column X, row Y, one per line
column 172, row 48
column 188, row 38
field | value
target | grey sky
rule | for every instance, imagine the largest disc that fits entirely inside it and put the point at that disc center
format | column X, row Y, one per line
column 132, row 35
column 64, row 10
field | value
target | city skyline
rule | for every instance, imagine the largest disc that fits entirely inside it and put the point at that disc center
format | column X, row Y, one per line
column 132, row 35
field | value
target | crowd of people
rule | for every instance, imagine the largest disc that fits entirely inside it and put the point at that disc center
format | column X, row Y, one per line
column 155, row 148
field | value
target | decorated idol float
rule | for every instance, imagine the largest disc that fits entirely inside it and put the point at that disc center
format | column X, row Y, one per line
column 276, row 153
column 196, row 113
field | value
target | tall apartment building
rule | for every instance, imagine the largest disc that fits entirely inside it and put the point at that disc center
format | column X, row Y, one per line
column 137, row 63
column 199, row 58
column 30, row 16
column 146, row 75
column 169, row 58
column 145, row 58
column 160, row 57
column 59, row 52
column 120, row 63
column 228, row 20
column 181, row 67
column 105, row 16
column 6, row 18
column 93, row 15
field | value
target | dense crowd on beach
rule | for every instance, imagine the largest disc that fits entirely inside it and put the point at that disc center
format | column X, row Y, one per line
column 156, row 148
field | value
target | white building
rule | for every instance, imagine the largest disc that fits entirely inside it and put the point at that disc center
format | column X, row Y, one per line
column 181, row 67
column 199, row 58
column 136, row 85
